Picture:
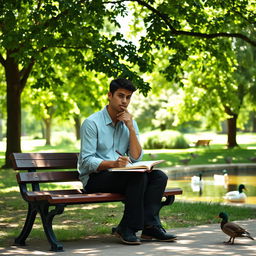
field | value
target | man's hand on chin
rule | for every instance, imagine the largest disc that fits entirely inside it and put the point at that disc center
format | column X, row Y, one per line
column 125, row 116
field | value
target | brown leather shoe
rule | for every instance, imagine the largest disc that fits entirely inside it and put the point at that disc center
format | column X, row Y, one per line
column 157, row 233
column 126, row 235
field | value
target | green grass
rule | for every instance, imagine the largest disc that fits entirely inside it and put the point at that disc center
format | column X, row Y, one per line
column 214, row 154
column 211, row 155
column 79, row 221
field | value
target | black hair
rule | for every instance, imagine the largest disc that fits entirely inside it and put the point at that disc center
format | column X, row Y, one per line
column 121, row 83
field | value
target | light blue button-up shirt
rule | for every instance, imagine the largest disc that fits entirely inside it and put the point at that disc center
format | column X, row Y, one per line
column 100, row 138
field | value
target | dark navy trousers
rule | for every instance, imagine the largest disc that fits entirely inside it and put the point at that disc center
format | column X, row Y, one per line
column 143, row 194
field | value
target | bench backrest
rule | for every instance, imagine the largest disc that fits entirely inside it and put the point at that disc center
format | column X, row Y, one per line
column 45, row 177
column 33, row 162
column 37, row 161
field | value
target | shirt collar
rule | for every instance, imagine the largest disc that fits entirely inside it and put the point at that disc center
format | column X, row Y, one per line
column 107, row 117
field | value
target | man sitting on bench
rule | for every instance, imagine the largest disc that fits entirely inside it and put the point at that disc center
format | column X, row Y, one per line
column 105, row 133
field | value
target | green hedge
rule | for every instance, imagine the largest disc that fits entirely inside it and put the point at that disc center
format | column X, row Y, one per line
column 164, row 139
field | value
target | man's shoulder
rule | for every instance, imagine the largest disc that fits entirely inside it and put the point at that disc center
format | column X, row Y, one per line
column 95, row 117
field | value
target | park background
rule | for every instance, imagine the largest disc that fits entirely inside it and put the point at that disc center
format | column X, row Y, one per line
column 192, row 61
column 195, row 62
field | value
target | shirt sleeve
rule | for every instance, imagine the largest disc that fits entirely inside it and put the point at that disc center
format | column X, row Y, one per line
column 138, row 136
column 88, row 162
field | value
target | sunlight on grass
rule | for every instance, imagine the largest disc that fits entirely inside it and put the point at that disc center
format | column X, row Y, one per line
column 85, row 207
column 29, row 144
column 10, row 189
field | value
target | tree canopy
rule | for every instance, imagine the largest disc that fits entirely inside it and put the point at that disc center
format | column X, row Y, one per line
column 36, row 38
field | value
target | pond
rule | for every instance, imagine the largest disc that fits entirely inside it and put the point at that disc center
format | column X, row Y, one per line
column 211, row 183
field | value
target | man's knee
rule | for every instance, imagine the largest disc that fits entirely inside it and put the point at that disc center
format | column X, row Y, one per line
column 158, row 177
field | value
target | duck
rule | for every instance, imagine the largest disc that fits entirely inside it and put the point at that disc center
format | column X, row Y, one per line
column 236, row 196
column 221, row 179
column 185, row 161
column 194, row 155
column 253, row 159
column 153, row 156
column 197, row 183
column 232, row 229
column 228, row 159
column 196, row 179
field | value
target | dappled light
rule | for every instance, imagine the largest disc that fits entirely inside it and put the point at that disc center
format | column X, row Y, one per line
column 10, row 189
column 193, row 63
column 88, row 219
column 200, row 240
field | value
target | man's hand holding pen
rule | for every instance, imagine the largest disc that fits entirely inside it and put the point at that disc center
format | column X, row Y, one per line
column 122, row 161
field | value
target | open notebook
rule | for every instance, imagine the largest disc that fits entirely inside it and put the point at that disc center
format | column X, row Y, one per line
column 141, row 166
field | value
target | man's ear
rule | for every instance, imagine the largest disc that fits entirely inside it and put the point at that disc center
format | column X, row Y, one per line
column 109, row 95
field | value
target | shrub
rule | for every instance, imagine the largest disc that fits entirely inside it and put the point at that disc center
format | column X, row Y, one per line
column 63, row 141
column 164, row 139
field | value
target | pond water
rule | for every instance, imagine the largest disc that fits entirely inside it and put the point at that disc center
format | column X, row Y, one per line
column 214, row 184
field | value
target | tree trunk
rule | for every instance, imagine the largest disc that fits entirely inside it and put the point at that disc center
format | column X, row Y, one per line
column 48, row 127
column 254, row 121
column 14, row 90
column 43, row 130
column 232, row 131
column 231, row 127
column 77, row 126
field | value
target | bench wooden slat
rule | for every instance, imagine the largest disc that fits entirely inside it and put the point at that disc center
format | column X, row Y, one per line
column 84, row 198
column 43, row 177
column 24, row 161
column 77, row 196
column 32, row 195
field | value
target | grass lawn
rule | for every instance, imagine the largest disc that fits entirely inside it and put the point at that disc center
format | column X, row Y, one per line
column 79, row 221
column 216, row 153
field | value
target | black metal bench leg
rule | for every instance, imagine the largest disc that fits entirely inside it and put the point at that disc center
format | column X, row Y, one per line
column 168, row 201
column 47, row 218
column 31, row 215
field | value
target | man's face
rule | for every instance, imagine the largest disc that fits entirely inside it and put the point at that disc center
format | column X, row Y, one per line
column 120, row 99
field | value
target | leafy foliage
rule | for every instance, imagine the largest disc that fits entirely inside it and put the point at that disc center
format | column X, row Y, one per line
column 54, row 41
column 164, row 139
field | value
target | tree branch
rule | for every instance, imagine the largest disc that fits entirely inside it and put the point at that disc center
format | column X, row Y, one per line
column 175, row 32
column 2, row 60
column 215, row 35
column 82, row 47
column 25, row 73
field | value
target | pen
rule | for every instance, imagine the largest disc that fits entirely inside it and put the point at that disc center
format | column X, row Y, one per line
column 122, row 155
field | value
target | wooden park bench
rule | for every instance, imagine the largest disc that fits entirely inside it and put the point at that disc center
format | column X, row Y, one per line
column 40, row 201
column 202, row 143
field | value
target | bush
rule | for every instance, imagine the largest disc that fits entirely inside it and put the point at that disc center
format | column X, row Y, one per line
column 164, row 139
column 63, row 141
